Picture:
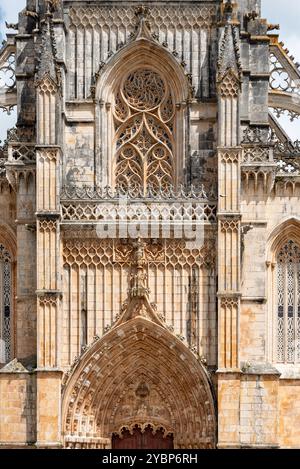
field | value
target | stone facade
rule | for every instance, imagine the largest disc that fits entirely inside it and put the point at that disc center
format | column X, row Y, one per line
column 150, row 227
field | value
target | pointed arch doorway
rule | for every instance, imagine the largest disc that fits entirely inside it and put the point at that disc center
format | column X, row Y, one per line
column 139, row 374
column 142, row 439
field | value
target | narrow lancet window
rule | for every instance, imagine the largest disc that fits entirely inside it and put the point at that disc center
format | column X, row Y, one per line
column 6, row 305
column 288, row 304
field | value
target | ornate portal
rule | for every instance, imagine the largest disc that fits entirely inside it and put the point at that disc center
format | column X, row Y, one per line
column 149, row 228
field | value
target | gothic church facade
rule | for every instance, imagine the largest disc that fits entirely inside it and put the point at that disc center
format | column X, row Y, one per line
column 149, row 229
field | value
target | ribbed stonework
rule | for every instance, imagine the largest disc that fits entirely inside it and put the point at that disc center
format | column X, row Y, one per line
column 149, row 228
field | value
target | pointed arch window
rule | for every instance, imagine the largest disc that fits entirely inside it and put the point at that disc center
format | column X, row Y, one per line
column 6, row 304
column 288, row 303
column 144, row 124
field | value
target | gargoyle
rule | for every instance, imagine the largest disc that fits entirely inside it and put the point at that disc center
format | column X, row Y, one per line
column 12, row 25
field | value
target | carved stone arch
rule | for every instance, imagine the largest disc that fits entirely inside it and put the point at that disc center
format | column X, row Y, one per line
column 142, row 53
column 139, row 374
column 288, row 230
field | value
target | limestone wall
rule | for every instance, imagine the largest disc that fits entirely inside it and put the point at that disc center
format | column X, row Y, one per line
column 17, row 408
column 289, row 413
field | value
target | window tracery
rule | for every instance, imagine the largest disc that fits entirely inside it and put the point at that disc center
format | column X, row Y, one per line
column 143, row 117
column 6, row 303
column 288, row 304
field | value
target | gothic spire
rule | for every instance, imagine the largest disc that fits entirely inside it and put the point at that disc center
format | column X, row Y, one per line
column 47, row 61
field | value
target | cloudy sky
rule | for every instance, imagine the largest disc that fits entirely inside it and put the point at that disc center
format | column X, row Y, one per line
column 285, row 12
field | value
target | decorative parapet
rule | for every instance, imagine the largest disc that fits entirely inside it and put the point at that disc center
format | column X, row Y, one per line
column 269, row 163
column 261, row 148
column 137, row 193
column 22, row 154
column 157, row 210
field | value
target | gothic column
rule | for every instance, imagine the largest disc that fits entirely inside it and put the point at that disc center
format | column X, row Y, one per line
column 48, row 245
column 229, row 224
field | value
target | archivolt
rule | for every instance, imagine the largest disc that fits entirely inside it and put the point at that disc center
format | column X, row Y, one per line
column 288, row 230
column 140, row 374
column 8, row 238
column 137, row 54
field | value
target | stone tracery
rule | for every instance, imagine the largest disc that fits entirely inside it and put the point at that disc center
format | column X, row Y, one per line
column 288, row 303
column 6, row 304
column 143, row 115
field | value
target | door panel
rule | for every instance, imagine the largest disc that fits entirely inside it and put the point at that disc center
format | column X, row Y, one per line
column 145, row 440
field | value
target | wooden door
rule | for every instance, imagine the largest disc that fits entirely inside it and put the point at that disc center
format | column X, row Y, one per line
column 142, row 440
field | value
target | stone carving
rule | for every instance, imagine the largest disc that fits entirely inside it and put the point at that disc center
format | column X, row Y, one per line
column 232, row 157
column 154, row 251
column 22, row 154
column 279, row 112
column 173, row 252
column 47, row 300
column 230, row 85
column 47, row 226
column 48, row 75
column 7, row 73
column 144, row 90
column 280, row 79
column 108, row 193
column 116, row 212
column 229, row 302
column 229, row 226
column 7, row 78
column 256, row 155
column 142, row 404
column 144, row 141
column 119, row 24
column 139, row 397
column 229, row 64
column 187, row 16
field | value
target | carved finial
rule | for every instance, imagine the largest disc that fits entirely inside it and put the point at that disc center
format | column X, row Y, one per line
column 141, row 11
column 228, row 10
column 143, row 24
column 139, row 276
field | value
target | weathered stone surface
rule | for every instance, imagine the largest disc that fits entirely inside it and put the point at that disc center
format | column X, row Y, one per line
column 127, row 115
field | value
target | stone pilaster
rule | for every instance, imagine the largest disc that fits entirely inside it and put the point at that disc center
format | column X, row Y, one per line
column 229, row 226
column 48, row 243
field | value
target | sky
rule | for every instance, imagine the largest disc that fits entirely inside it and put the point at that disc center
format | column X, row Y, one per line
column 284, row 12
